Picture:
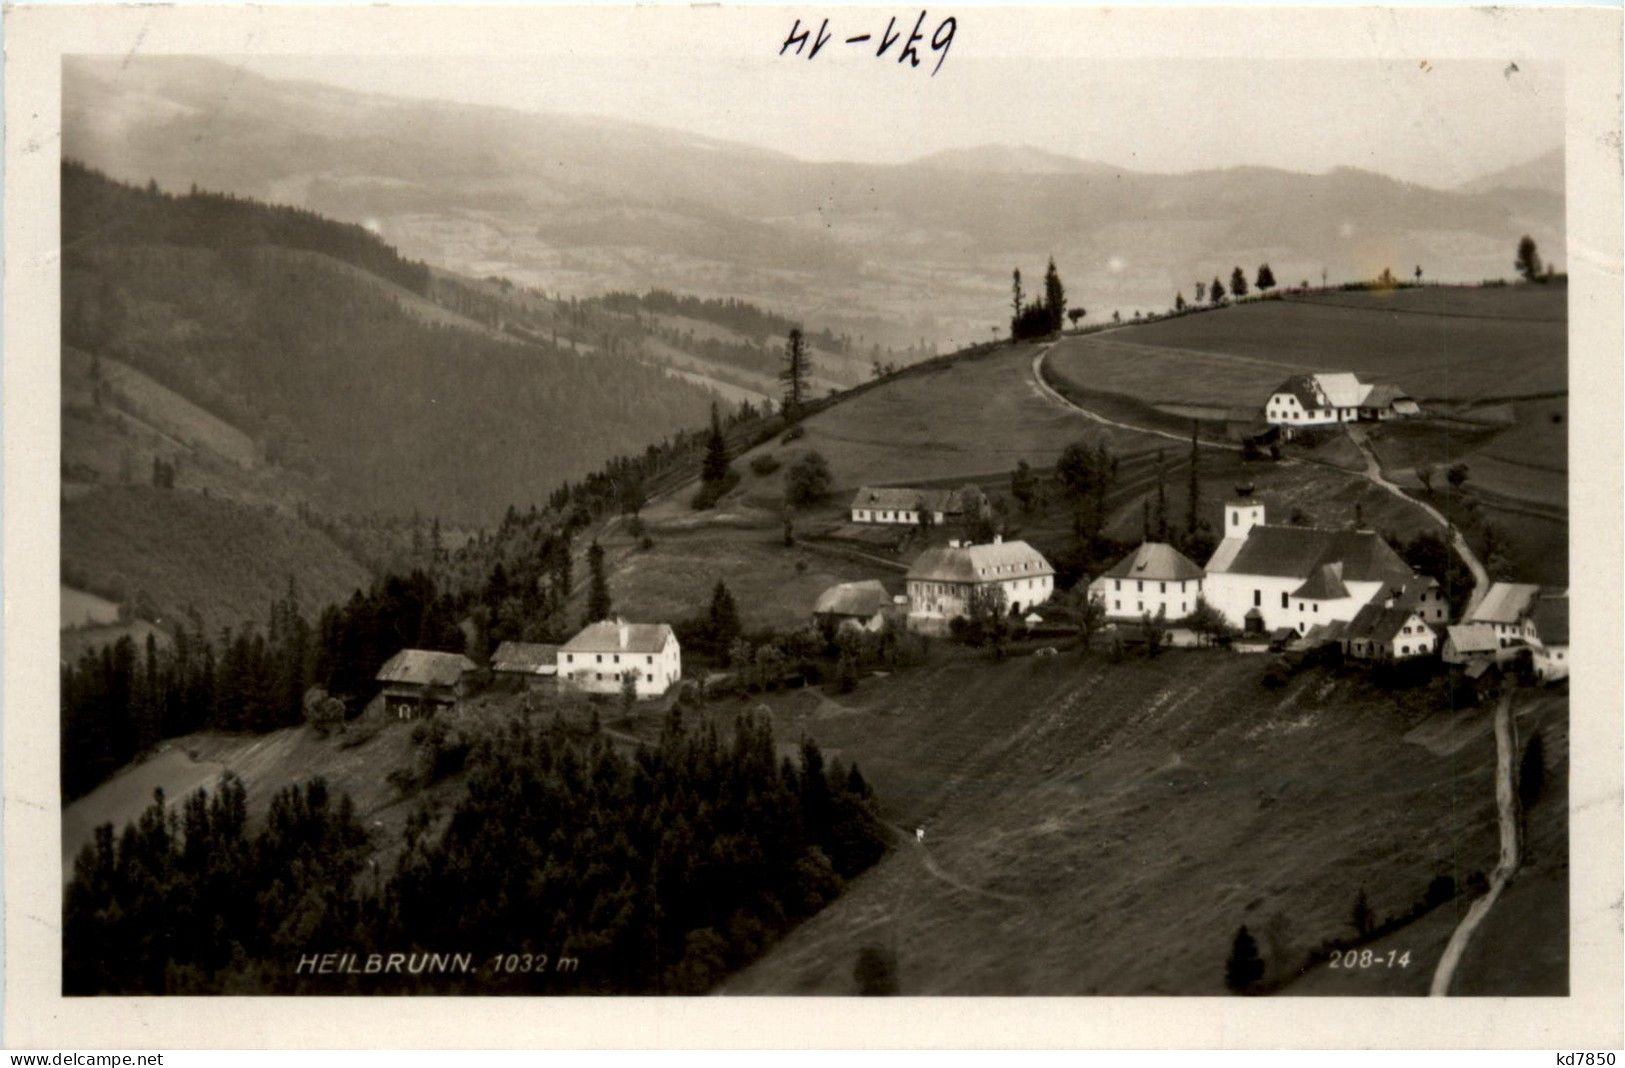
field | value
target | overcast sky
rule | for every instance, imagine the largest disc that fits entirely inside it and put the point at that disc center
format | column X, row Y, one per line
column 1436, row 123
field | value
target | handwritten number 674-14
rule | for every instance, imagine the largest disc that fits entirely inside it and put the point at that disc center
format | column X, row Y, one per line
column 810, row 42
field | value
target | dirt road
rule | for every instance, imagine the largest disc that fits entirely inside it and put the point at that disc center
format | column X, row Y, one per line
column 1506, row 749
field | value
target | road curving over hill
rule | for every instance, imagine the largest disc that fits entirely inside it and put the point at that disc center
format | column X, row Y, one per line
column 1372, row 473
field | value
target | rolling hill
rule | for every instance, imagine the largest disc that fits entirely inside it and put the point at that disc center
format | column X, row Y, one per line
column 886, row 253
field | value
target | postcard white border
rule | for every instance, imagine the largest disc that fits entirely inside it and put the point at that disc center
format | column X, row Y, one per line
column 1586, row 40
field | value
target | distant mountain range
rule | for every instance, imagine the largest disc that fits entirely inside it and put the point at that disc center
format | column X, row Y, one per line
column 886, row 253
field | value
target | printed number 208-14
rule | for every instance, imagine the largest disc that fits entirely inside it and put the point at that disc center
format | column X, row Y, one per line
column 1364, row 958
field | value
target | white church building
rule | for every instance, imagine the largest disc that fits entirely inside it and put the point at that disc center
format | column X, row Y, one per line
column 1263, row 578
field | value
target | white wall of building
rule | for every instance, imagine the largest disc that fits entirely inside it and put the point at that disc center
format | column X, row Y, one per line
column 1235, row 595
column 1283, row 409
column 907, row 516
column 601, row 672
column 932, row 604
column 1128, row 598
column 1551, row 662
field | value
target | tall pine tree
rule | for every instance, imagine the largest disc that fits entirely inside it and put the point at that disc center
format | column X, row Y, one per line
column 794, row 374
column 598, row 603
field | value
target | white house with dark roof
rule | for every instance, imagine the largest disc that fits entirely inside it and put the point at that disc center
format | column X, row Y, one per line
column 1386, row 632
column 942, row 580
column 1154, row 578
column 899, row 504
column 1550, row 621
column 1263, row 578
column 597, row 659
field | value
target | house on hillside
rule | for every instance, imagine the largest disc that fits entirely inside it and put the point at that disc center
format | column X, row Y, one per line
column 1382, row 632
column 420, row 682
column 1155, row 577
column 1328, row 399
column 604, row 653
column 899, row 504
column 1507, row 609
column 942, row 581
column 532, row 662
column 1550, row 621
column 864, row 605
column 1263, row 578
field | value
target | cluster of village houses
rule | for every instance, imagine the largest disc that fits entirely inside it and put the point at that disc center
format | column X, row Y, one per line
column 1280, row 585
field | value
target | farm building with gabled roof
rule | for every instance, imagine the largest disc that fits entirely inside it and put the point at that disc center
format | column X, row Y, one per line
column 1381, row 632
column 1155, row 578
column 1329, row 398
column 900, row 504
column 604, row 654
column 533, row 660
column 1467, row 642
column 420, row 681
column 942, row 580
column 864, row 604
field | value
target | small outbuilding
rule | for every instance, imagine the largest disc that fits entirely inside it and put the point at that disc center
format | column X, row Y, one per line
column 865, row 605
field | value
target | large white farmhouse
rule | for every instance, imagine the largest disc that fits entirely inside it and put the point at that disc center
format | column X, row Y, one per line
column 1329, row 399
column 1155, row 577
column 942, row 580
column 1263, row 578
column 596, row 660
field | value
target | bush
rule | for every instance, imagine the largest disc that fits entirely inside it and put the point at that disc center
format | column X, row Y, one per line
column 764, row 464
column 875, row 972
column 793, row 434
column 808, row 480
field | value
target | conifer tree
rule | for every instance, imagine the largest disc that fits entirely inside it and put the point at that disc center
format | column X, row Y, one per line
column 598, row 603
column 1238, row 283
column 1054, row 296
column 1245, row 967
column 715, row 467
column 794, row 374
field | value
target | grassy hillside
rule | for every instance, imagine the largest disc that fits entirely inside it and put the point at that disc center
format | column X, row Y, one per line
column 172, row 552
column 1104, row 828
column 311, row 338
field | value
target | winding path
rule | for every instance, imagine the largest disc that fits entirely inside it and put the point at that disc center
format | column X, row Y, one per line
column 1506, row 748
column 1372, row 473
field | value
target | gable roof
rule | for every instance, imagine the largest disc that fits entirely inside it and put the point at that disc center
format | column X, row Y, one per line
column 979, row 563
column 1471, row 638
column 1383, row 395
column 1326, row 584
column 1551, row 620
column 524, row 656
column 1342, row 388
column 1506, row 602
column 1306, row 389
column 1378, row 624
column 904, row 499
column 423, row 667
column 860, row 599
column 1411, row 595
column 1154, row 560
column 615, row 636
column 1297, row 552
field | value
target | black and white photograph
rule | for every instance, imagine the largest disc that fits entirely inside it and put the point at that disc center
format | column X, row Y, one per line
column 853, row 510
